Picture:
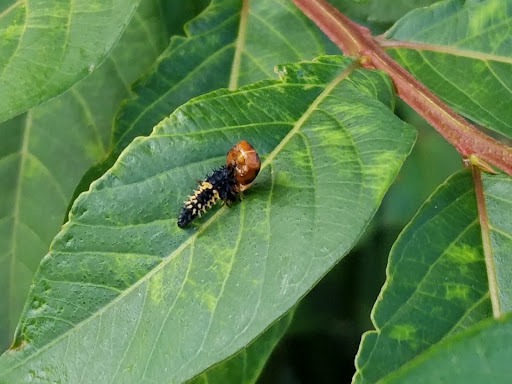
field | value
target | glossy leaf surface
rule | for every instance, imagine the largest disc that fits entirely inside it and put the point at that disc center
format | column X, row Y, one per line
column 157, row 296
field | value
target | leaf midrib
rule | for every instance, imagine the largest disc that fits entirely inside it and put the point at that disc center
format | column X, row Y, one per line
column 448, row 49
column 482, row 109
column 329, row 87
column 239, row 46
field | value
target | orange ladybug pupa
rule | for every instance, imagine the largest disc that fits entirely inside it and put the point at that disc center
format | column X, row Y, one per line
column 246, row 163
column 225, row 183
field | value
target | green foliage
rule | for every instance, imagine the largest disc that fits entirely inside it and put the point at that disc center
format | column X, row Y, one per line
column 246, row 365
column 432, row 293
column 210, row 47
column 388, row 11
column 478, row 355
column 36, row 183
column 125, row 296
column 499, row 211
column 45, row 48
column 467, row 45
column 123, row 261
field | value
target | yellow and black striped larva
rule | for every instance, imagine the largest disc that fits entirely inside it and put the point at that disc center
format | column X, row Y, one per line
column 225, row 183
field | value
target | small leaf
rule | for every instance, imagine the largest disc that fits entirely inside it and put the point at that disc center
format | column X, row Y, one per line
column 479, row 355
column 462, row 50
column 436, row 278
column 47, row 46
column 155, row 296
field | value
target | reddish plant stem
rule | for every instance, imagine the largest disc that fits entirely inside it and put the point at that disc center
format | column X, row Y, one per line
column 356, row 40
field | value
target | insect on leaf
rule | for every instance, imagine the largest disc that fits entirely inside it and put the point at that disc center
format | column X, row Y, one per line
column 156, row 296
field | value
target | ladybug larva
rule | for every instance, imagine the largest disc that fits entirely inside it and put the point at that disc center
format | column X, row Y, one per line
column 224, row 183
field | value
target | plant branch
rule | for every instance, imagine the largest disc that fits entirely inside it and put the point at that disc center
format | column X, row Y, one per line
column 356, row 40
column 486, row 242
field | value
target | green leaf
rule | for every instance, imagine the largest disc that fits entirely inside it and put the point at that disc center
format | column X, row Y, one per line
column 462, row 50
column 436, row 277
column 498, row 204
column 47, row 149
column 47, row 46
column 247, row 364
column 228, row 45
column 377, row 15
column 431, row 291
column 479, row 355
column 389, row 11
column 125, row 291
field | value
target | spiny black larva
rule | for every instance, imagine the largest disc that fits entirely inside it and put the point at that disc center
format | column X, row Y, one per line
column 225, row 183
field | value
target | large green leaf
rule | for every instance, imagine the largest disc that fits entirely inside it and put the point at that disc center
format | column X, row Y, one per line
column 44, row 152
column 436, row 278
column 462, row 50
column 126, row 296
column 480, row 355
column 228, row 45
column 47, row 46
